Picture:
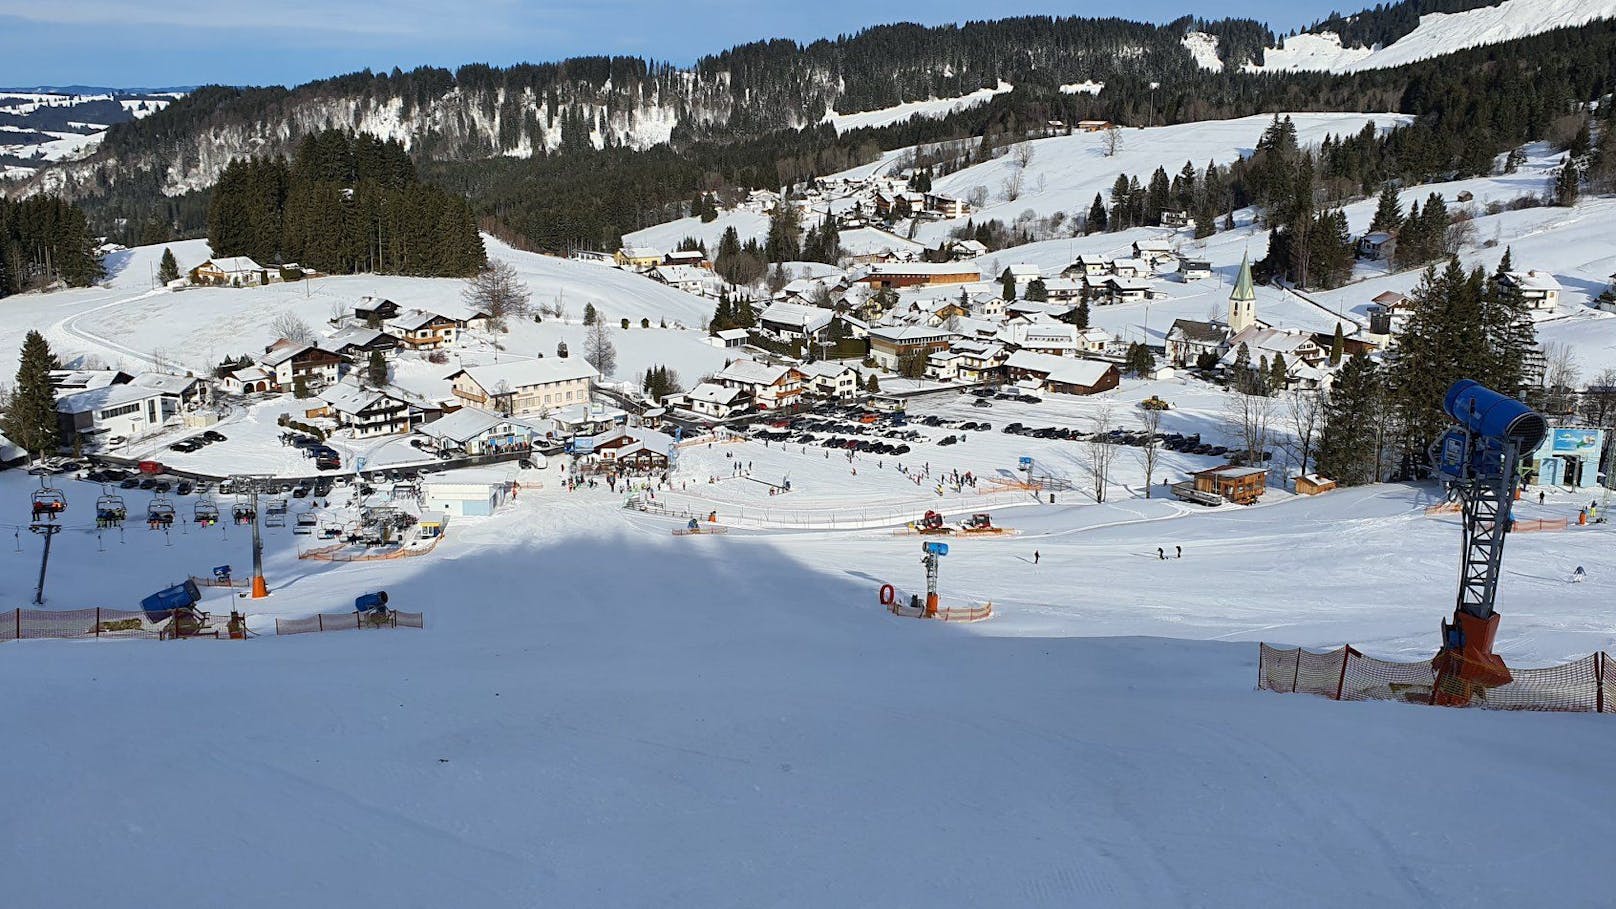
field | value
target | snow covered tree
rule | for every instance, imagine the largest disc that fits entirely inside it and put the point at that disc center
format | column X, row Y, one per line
column 1007, row 286
column 30, row 417
column 590, row 315
column 1037, row 291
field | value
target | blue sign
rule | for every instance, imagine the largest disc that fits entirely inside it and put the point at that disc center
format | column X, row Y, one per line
column 936, row 549
column 222, row 572
column 1577, row 441
column 1026, row 462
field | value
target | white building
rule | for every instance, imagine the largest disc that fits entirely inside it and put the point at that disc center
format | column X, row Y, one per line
column 829, row 380
column 717, row 401
column 1538, row 288
column 466, row 493
column 525, row 386
column 130, row 411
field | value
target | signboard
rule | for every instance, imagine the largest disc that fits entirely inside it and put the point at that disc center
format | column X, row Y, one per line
column 1026, row 463
column 1584, row 442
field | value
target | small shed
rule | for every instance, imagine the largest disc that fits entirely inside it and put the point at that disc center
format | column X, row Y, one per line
column 1311, row 484
column 1240, row 485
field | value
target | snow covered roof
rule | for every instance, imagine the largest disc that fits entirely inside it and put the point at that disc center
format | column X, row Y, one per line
column 10, row 451
column 1262, row 340
column 751, row 372
column 910, row 333
column 416, row 319
column 281, row 354
column 463, row 425
column 709, row 393
column 1065, row 370
column 1390, row 299
column 1192, row 330
column 805, row 318
column 1024, row 270
column 1534, row 280
column 517, row 374
column 1152, row 246
column 1093, row 259
column 104, row 397
column 823, row 369
column 641, row 252
column 231, row 265
column 1128, row 283
column 356, row 337
column 681, row 274
column 1130, row 264
column 922, row 268
column 174, row 385
column 732, row 334
column 349, row 398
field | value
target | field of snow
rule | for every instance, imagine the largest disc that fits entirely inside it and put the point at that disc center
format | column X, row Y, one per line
column 935, row 108
column 600, row 713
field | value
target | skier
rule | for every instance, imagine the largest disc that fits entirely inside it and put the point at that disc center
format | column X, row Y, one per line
column 1180, row 551
column 1161, row 555
column 1578, row 575
column 1035, row 557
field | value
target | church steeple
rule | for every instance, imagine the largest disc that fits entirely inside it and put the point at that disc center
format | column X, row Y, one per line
column 1243, row 302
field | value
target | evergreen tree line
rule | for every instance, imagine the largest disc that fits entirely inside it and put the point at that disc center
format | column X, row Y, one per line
column 1386, row 416
column 44, row 239
column 343, row 204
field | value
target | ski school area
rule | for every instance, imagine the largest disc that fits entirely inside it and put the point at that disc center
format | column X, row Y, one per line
column 759, row 670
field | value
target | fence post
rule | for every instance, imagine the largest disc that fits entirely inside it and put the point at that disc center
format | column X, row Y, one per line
column 98, row 621
column 17, row 616
column 319, row 621
column 358, row 621
column 1599, row 681
column 1346, row 654
column 1296, row 673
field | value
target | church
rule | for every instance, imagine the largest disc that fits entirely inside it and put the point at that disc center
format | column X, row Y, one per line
column 1216, row 345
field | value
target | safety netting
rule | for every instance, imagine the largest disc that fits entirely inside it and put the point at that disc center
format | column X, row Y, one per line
column 1584, row 685
column 28, row 624
column 349, row 621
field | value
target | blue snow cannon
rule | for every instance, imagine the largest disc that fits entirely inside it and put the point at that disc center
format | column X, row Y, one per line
column 162, row 604
column 371, row 602
column 1495, row 417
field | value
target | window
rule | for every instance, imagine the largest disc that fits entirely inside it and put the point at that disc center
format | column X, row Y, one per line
column 111, row 412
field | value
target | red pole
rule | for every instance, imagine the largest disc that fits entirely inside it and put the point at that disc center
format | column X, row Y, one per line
column 1346, row 654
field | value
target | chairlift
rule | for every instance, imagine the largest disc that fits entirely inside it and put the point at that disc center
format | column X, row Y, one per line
column 48, row 503
column 330, row 528
column 160, row 513
column 244, row 511
column 275, row 513
column 110, row 511
column 205, row 512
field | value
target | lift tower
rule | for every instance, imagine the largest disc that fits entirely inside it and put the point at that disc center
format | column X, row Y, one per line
column 1480, row 459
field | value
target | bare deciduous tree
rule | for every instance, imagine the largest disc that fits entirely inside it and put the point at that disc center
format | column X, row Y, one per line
column 497, row 290
column 1303, row 410
column 289, row 326
column 1113, row 141
column 1150, row 447
column 1098, row 451
column 1250, row 417
column 599, row 351
column 338, row 311
column 1561, row 374
column 1022, row 156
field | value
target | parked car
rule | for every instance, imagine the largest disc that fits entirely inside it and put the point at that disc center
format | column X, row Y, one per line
column 184, row 488
column 981, row 402
column 214, row 435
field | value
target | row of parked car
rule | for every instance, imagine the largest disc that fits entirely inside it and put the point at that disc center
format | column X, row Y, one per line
column 198, row 442
column 325, row 457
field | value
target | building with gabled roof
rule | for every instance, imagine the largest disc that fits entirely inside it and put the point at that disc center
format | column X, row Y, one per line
column 1062, row 375
column 525, row 386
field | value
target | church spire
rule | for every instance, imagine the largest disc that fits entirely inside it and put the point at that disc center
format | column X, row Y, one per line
column 1243, row 302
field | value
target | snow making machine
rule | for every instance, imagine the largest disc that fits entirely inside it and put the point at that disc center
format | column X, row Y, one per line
column 1480, row 459
column 173, row 611
column 372, row 608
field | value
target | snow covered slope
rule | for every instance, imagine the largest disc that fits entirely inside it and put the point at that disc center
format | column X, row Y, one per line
column 1437, row 34
column 936, row 108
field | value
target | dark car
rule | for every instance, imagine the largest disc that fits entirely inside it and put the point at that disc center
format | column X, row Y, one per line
column 525, row 464
column 147, row 483
column 301, row 492
column 947, row 440
column 214, row 435
column 161, row 487
column 129, row 483
column 184, row 488
column 328, row 463
column 981, row 402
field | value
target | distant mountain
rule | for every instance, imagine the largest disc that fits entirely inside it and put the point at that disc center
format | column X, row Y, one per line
column 1402, row 33
column 100, row 90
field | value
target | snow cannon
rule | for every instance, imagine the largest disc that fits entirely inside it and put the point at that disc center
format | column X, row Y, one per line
column 1480, row 459
column 933, row 551
column 371, row 602
column 163, row 603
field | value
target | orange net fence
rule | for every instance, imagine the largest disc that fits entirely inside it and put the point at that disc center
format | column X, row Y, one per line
column 1443, row 508
column 1539, row 524
column 1587, row 685
column 349, row 621
column 35, row 624
column 946, row 614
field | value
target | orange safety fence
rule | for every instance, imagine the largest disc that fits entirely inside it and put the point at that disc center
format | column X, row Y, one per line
column 34, row 624
column 946, row 614
column 1539, row 524
column 1587, row 685
column 349, row 621
column 1443, row 508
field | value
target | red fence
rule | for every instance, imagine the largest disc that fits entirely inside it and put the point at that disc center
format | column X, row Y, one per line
column 349, row 621
column 26, row 624
column 1586, row 685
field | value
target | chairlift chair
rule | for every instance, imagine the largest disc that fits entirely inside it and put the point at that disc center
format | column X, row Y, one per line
column 48, row 502
column 160, row 513
column 275, row 513
column 110, row 511
column 205, row 511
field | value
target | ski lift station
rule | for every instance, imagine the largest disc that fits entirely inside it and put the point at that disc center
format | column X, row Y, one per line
column 469, row 494
column 1570, row 457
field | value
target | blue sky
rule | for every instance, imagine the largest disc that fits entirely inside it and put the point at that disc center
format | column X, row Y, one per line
column 181, row 42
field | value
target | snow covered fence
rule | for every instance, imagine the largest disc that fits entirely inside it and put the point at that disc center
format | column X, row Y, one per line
column 349, row 621
column 1587, row 685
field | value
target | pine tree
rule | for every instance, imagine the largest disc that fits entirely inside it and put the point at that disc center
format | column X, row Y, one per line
column 1278, row 375
column 1347, row 442
column 590, row 315
column 30, row 418
column 1337, row 346
column 1097, row 216
column 1081, row 315
column 1389, row 213
column 168, row 269
column 1007, row 286
column 376, row 369
column 1037, row 291
column 872, row 385
column 1567, row 184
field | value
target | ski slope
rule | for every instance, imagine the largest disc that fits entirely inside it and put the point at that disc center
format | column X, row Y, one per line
column 933, row 108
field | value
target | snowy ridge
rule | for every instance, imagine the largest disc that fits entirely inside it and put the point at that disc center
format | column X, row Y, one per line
column 1204, row 48
column 1436, row 35
column 934, row 108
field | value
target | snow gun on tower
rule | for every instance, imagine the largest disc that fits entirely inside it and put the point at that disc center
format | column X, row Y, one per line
column 1480, row 459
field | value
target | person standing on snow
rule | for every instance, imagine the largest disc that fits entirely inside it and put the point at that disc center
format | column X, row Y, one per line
column 1035, row 557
